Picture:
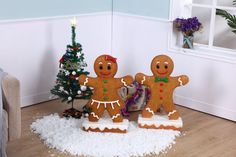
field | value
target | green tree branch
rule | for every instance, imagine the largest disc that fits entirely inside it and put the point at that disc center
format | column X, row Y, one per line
column 231, row 19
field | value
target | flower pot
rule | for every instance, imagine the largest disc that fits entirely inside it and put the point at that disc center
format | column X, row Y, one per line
column 188, row 42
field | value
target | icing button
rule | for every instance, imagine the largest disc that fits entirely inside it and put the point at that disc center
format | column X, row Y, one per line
column 161, row 84
column 161, row 90
column 105, row 90
column 161, row 98
column 105, row 81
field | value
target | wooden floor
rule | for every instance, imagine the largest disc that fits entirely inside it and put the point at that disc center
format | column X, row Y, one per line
column 203, row 135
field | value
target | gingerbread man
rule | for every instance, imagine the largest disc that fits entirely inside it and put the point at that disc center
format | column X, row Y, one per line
column 106, row 87
column 162, row 86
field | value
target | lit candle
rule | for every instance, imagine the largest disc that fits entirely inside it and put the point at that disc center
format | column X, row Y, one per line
column 73, row 22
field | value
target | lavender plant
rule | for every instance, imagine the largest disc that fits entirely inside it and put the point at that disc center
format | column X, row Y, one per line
column 188, row 26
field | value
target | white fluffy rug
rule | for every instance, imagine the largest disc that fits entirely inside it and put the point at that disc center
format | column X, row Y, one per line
column 66, row 135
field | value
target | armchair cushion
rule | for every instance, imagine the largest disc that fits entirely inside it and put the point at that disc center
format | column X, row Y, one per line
column 5, row 125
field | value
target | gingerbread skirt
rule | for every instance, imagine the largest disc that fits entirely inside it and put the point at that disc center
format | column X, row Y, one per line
column 98, row 107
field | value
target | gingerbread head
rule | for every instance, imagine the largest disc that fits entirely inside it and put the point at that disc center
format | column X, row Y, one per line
column 162, row 66
column 105, row 66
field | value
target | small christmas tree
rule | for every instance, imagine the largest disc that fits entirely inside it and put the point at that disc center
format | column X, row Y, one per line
column 71, row 67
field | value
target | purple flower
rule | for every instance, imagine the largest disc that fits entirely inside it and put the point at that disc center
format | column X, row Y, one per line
column 187, row 26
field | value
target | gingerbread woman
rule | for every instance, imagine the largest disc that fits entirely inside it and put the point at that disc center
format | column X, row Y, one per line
column 162, row 86
column 106, row 87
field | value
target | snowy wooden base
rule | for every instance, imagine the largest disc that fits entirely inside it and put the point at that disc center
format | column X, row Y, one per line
column 106, row 125
column 66, row 135
column 160, row 122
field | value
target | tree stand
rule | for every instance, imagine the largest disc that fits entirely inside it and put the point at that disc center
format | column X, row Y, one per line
column 72, row 112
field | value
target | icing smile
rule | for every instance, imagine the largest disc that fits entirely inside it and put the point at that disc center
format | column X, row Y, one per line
column 162, row 73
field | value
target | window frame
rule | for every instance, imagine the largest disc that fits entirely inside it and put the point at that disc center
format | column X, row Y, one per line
column 183, row 9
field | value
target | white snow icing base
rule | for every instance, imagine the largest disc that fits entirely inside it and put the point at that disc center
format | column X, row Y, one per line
column 158, row 120
column 104, row 123
column 67, row 135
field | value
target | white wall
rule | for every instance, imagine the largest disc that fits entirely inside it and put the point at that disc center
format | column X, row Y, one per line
column 136, row 40
column 212, row 83
column 211, row 88
column 30, row 50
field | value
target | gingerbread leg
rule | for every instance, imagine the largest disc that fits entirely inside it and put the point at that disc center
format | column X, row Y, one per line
column 96, row 112
column 150, row 109
column 114, row 111
column 169, row 108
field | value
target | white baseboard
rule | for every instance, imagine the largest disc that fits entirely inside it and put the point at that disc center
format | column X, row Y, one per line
column 36, row 98
column 205, row 107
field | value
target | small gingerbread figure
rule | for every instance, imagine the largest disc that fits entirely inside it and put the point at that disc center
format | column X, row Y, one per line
column 106, row 87
column 162, row 86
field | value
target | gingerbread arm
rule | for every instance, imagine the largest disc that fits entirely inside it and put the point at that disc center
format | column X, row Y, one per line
column 124, row 81
column 87, row 81
column 143, row 79
column 181, row 80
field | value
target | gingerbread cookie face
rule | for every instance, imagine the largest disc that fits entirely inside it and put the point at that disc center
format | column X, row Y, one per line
column 162, row 66
column 105, row 66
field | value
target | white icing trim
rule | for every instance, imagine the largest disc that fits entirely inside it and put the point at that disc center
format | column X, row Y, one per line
column 116, row 116
column 144, row 79
column 149, row 110
column 112, row 106
column 94, row 115
column 86, row 81
column 158, row 120
column 166, row 62
column 100, row 63
column 98, row 105
column 170, row 113
column 109, row 63
column 104, row 123
column 180, row 81
column 105, row 103
column 122, row 80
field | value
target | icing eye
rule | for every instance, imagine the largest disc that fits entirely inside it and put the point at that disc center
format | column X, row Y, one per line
column 108, row 67
column 158, row 66
column 100, row 67
column 166, row 66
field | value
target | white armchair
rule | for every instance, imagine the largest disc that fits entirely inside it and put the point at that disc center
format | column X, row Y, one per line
column 11, row 109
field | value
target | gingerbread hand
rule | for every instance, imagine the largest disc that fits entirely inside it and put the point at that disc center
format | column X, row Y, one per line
column 139, row 77
column 142, row 79
column 124, row 81
column 128, row 80
column 83, row 79
column 183, row 80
